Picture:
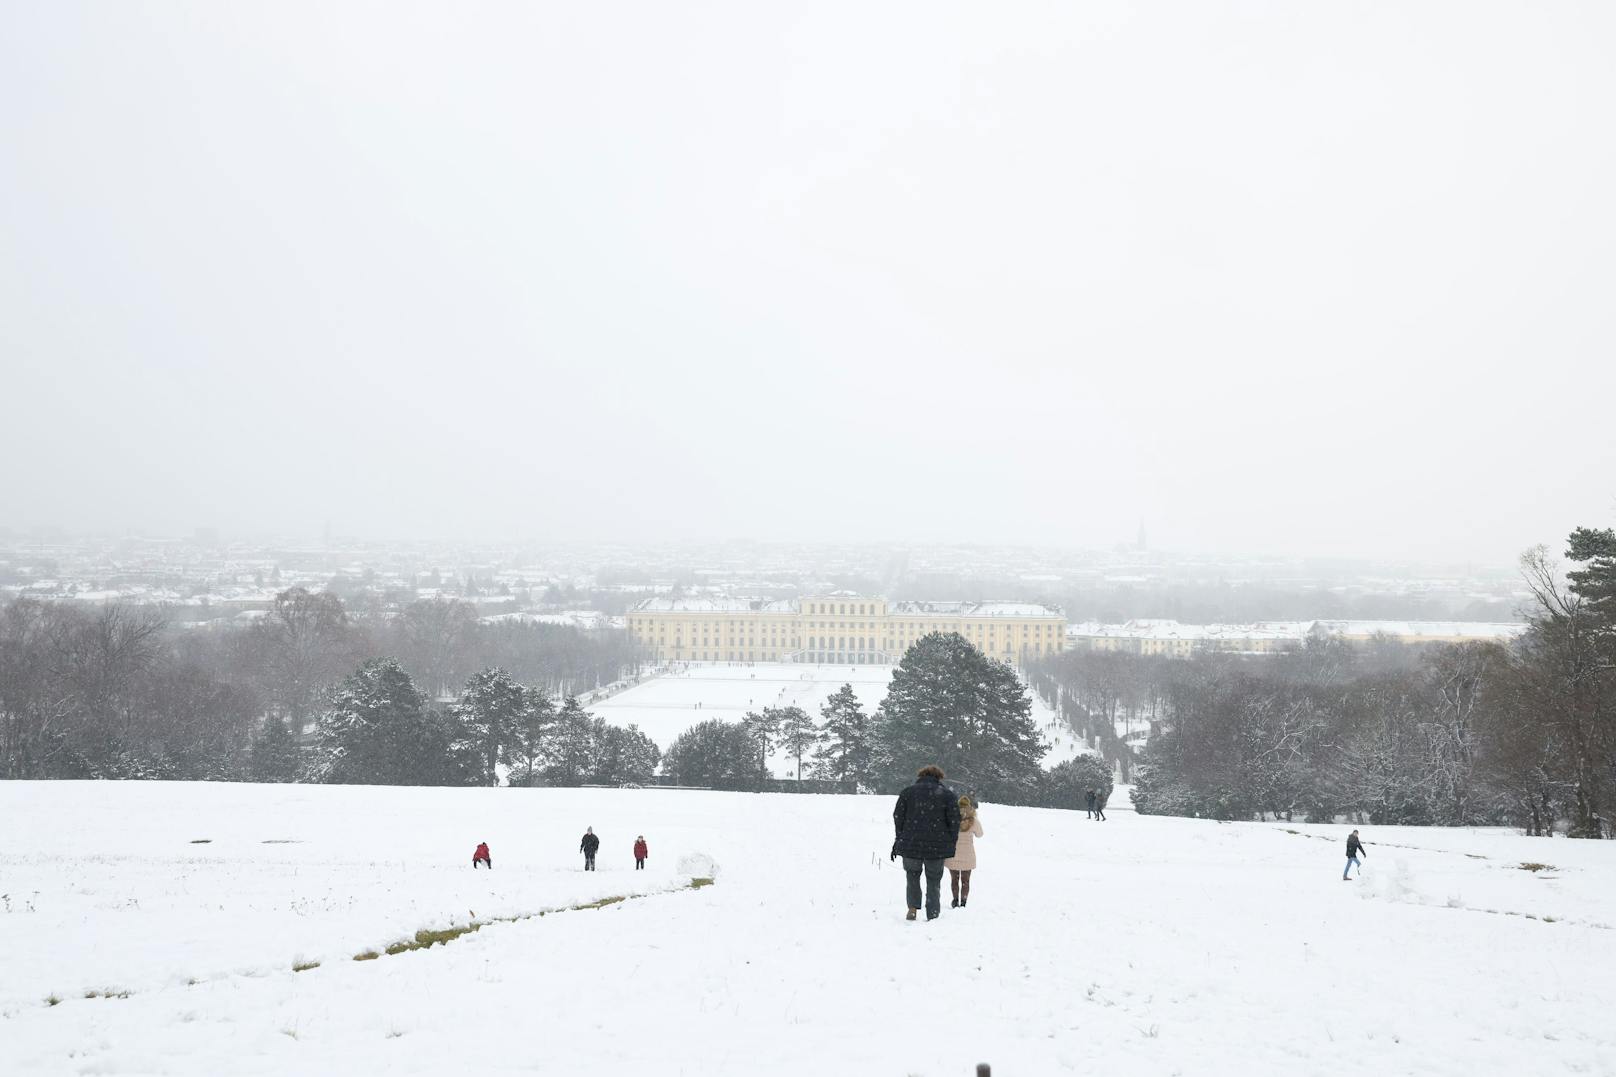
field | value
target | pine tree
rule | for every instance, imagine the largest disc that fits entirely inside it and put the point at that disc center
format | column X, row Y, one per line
column 525, row 748
column 273, row 753
column 1595, row 584
column 797, row 734
column 572, row 745
column 952, row 705
column 490, row 709
column 763, row 728
column 844, row 751
column 715, row 754
column 378, row 731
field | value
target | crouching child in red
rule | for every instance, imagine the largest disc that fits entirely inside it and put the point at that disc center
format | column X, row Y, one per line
column 481, row 856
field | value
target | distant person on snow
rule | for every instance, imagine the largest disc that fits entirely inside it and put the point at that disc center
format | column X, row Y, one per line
column 963, row 862
column 927, row 821
column 1355, row 850
column 1099, row 805
column 641, row 851
column 1091, row 799
column 589, row 845
column 481, row 857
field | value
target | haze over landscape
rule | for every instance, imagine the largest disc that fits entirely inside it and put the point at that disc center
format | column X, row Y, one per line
column 1322, row 281
column 727, row 538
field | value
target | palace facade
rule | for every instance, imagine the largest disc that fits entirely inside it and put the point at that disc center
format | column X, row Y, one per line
column 838, row 629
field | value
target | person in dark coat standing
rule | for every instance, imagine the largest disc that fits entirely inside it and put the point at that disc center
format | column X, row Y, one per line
column 589, row 845
column 927, row 821
column 1099, row 805
column 480, row 856
column 1355, row 849
column 641, row 851
column 1091, row 803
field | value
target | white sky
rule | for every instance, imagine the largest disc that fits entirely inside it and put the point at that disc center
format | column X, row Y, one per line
column 1304, row 277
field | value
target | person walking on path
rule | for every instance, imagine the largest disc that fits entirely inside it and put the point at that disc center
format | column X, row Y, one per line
column 927, row 822
column 1355, row 850
column 641, row 851
column 481, row 856
column 1091, row 799
column 1099, row 805
column 589, row 845
column 963, row 862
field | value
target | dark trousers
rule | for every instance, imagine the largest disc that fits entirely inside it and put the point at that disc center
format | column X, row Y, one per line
column 639, row 863
column 1099, row 813
column 912, row 867
column 482, row 860
column 589, row 861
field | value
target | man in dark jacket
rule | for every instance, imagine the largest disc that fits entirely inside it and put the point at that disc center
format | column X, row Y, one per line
column 927, row 821
column 1355, row 849
column 1091, row 804
column 589, row 845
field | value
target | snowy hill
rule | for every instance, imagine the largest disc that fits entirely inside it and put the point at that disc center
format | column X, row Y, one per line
column 1139, row 945
column 667, row 705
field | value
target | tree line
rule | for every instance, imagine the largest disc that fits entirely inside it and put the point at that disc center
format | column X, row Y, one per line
column 117, row 692
column 948, row 704
column 1452, row 734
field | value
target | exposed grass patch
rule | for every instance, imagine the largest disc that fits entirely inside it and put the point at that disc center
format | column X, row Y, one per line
column 368, row 955
column 108, row 993
column 201, row 841
column 1534, row 866
column 53, row 1000
column 601, row 904
column 697, row 884
column 304, row 966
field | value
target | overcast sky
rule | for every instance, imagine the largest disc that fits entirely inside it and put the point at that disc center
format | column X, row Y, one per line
column 1280, row 277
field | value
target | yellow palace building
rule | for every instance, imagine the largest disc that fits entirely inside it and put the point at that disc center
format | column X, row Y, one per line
column 839, row 629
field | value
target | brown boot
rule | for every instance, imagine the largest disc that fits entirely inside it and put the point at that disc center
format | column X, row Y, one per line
column 911, row 914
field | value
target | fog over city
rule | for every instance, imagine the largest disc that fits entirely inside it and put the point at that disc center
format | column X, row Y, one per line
column 1290, row 281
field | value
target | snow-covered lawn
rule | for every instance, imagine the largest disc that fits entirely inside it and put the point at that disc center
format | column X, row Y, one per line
column 667, row 705
column 1136, row 946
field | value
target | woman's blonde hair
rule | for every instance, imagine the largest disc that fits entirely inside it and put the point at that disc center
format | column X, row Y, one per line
column 967, row 812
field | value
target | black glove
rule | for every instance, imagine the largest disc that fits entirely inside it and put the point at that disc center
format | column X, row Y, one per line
column 894, row 850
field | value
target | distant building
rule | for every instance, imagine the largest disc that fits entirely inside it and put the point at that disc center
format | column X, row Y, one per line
column 839, row 629
column 1176, row 640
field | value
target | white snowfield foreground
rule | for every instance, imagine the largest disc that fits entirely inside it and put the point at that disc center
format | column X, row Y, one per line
column 1133, row 947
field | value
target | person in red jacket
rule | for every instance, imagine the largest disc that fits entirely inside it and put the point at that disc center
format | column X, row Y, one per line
column 641, row 851
column 481, row 855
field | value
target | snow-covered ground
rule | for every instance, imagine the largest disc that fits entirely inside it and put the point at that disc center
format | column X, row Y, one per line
column 665, row 706
column 1139, row 945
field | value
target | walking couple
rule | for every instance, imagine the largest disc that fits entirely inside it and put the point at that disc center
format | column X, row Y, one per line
column 935, row 829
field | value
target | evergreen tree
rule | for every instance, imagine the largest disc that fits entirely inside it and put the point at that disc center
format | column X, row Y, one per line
column 273, row 755
column 798, row 734
column 490, row 709
column 715, row 754
column 1595, row 584
column 1066, row 785
column 952, row 705
column 623, row 755
column 844, row 751
column 530, row 736
column 763, row 728
column 571, row 745
column 378, row 731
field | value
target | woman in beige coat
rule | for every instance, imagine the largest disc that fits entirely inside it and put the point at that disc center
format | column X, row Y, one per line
column 963, row 862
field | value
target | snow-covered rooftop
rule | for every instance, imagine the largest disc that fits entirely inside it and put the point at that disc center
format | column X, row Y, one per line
column 713, row 605
column 974, row 609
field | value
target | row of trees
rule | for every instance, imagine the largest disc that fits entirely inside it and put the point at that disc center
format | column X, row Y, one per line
column 1455, row 734
column 948, row 704
column 380, row 729
column 116, row 692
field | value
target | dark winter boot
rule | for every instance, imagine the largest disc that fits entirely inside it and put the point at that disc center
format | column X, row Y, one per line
column 910, row 915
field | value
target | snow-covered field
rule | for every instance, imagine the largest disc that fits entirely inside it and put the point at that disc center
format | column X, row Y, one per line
column 665, row 706
column 1136, row 946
